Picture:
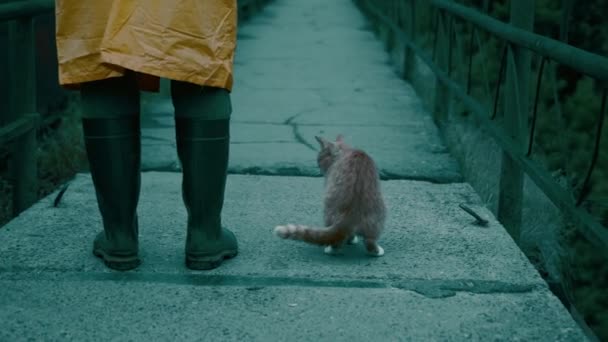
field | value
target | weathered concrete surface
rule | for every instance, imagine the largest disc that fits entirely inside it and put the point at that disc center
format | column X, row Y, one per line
column 442, row 278
column 301, row 69
column 161, row 308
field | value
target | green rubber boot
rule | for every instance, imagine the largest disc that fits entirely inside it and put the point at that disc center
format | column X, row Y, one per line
column 202, row 147
column 114, row 153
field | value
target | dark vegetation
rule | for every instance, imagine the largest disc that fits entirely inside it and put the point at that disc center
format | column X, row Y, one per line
column 60, row 155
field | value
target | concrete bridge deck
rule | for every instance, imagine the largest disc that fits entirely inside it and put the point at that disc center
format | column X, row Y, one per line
column 302, row 68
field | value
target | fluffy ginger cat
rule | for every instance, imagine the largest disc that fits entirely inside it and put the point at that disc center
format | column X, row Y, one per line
column 353, row 201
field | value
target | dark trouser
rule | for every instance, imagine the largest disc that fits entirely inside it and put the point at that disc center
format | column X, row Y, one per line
column 118, row 97
column 112, row 139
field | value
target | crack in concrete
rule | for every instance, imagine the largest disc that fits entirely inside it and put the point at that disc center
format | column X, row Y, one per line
column 430, row 288
column 296, row 133
column 299, row 138
column 290, row 119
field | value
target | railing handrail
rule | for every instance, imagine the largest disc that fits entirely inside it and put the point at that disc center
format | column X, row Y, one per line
column 19, row 9
column 581, row 60
column 593, row 230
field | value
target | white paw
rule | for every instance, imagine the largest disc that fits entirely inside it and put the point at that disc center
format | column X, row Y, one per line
column 379, row 253
column 285, row 231
column 354, row 240
column 331, row 250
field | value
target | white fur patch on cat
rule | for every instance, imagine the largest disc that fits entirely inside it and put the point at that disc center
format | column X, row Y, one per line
column 331, row 250
column 286, row 230
column 281, row 231
column 379, row 253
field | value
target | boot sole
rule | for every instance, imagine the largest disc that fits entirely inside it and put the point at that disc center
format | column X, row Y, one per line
column 119, row 263
column 208, row 262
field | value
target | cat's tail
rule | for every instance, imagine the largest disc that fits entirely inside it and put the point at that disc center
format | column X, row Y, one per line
column 331, row 235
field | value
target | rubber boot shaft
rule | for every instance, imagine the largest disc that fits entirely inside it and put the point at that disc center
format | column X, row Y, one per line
column 114, row 152
column 203, row 149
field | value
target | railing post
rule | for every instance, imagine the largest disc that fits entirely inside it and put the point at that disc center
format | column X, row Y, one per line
column 22, row 98
column 410, row 27
column 442, row 96
column 510, row 194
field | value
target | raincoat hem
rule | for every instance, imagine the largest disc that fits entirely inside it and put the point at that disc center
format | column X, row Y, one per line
column 128, row 62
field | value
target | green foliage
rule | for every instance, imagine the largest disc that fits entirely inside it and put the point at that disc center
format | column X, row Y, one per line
column 589, row 29
column 548, row 17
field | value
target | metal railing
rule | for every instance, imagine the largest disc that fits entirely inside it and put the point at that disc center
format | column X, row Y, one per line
column 19, row 124
column 397, row 24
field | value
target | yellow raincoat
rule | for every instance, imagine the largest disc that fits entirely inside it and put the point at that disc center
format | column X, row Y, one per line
column 184, row 40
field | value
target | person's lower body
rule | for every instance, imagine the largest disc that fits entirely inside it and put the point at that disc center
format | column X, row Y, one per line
column 110, row 122
column 112, row 140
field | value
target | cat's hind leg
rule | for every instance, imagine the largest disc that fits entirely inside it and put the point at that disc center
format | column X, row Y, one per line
column 335, row 248
column 373, row 248
column 370, row 230
column 352, row 240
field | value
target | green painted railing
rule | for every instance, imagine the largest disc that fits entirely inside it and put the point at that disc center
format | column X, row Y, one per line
column 397, row 26
column 24, row 9
column 18, row 126
column 443, row 32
